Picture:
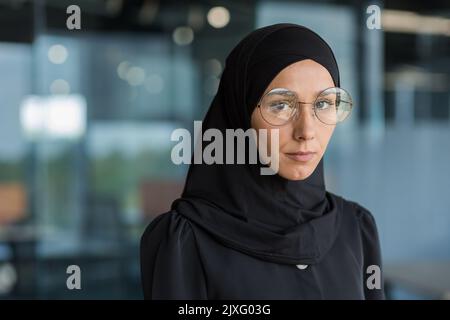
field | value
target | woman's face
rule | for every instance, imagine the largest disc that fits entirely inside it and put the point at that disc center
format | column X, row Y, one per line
column 305, row 132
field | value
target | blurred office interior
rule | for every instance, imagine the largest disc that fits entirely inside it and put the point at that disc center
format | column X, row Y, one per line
column 86, row 117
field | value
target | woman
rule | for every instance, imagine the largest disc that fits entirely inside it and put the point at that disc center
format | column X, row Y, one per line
column 238, row 234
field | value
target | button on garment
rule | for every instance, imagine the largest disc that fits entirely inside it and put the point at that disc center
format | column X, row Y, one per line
column 302, row 266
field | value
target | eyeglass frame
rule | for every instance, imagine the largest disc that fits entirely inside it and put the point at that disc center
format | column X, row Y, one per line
column 302, row 102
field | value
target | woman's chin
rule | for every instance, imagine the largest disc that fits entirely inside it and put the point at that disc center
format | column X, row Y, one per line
column 294, row 172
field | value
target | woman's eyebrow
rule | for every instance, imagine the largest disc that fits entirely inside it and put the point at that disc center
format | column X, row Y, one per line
column 315, row 93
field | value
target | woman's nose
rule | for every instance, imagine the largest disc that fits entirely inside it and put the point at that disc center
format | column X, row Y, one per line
column 304, row 123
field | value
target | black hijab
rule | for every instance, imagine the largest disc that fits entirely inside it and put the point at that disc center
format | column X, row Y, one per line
column 266, row 216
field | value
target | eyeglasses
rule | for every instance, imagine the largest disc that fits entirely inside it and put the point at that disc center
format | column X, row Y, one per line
column 280, row 105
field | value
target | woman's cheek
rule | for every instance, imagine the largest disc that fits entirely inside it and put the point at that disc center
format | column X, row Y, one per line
column 283, row 139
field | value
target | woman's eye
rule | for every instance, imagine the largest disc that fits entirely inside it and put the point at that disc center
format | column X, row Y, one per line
column 280, row 106
column 323, row 104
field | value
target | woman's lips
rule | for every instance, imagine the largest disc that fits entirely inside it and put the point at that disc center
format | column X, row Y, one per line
column 301, row 156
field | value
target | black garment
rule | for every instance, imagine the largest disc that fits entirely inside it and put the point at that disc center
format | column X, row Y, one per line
column 182, row 261
column 235, row 233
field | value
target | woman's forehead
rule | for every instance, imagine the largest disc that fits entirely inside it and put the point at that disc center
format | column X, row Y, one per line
column 301, row 81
